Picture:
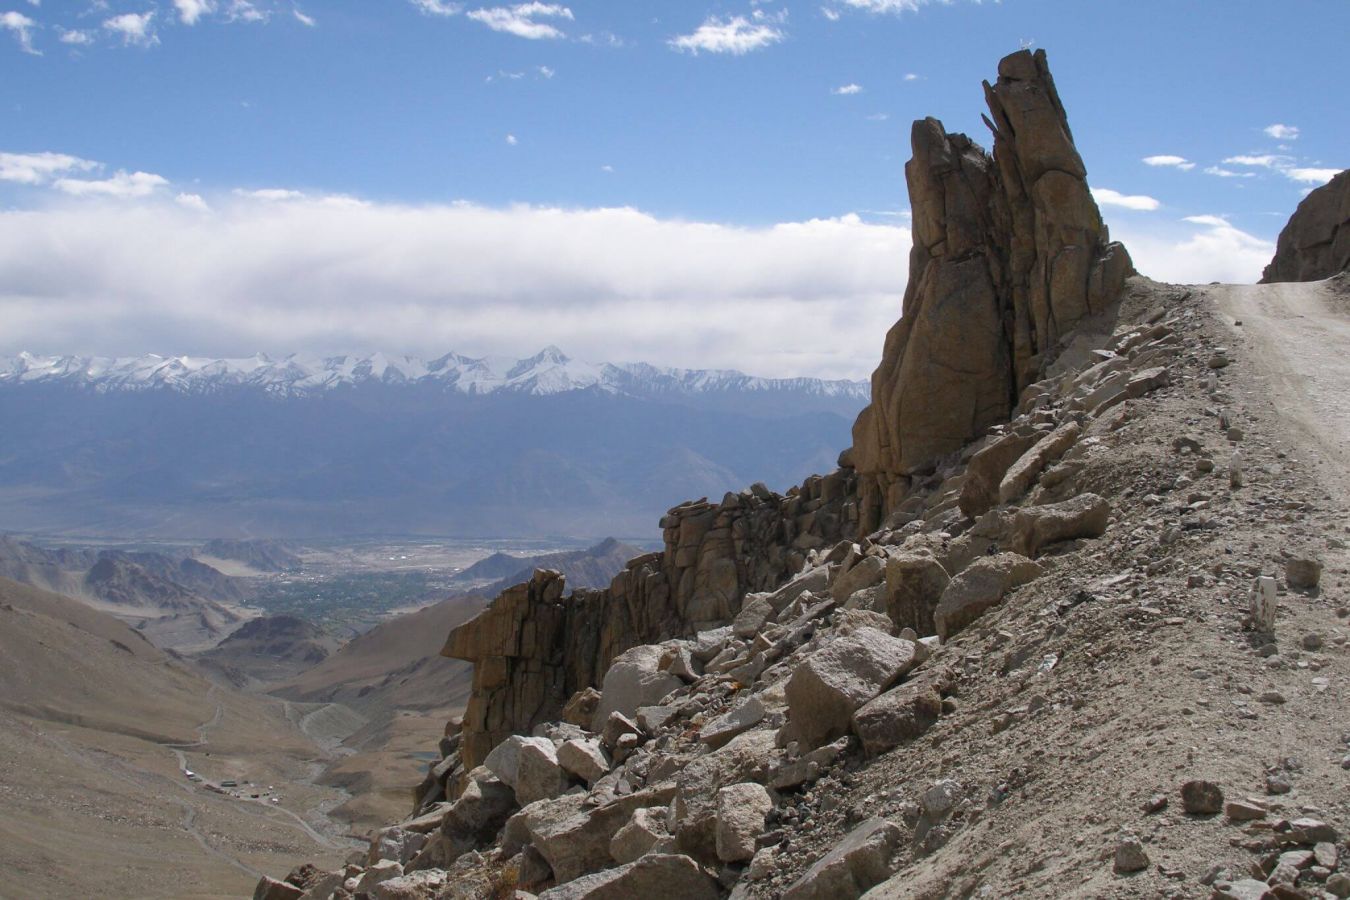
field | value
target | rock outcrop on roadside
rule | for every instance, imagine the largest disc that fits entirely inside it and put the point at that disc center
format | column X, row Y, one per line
column 1316, row 242
column 1010, row 255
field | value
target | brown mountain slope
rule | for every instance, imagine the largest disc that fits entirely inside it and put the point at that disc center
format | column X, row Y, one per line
column 95, row 801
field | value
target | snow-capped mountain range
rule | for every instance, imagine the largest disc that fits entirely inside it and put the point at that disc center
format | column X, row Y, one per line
column 549, row 371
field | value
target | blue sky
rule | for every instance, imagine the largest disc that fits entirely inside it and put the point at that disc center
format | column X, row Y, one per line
column 749, row 154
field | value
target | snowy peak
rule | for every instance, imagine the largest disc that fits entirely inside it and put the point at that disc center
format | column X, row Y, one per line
column 550, row 371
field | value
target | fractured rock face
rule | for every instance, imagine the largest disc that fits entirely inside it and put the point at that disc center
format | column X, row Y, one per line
column 1010, row 255
column 1316, row 242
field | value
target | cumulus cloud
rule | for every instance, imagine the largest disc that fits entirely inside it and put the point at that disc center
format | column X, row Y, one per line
column 40, row 168
column 521, row 20
column 192, row 201
column 1108, row 197
column 437, row 7
column 121, row 185
column 134, row 28
column 1170, row 161
column 511, row 140
column 1282, row 132
column 21, row 27
column 76, row 37
column 1202, row 248
column 845, row 90
column 189, row 11
column 736, row 35
column 309, row 275
column 1312, row 176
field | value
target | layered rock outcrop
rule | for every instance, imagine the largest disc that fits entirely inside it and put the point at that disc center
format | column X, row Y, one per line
column 1316, row 242
column 533, row 648
column 1010, row 255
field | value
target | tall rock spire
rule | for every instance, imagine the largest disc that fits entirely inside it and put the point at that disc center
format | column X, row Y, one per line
column 1010, row 255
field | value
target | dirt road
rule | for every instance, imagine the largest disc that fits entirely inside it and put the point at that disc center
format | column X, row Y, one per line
column 1298, row 340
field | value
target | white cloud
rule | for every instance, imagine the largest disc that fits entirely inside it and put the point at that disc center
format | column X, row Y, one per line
column 246, row 11
column 134, row 28
column 520, row 19
column 830, row 14
column 270, row 195
column 308, row 275
column 545, row 71
column 39, row 168
column 1264, row 161
column 189, row 11
column 886, row 6
column 878, row 117
column 122, row 184
column 511, row 140
column 607, row 169
column 192, row 201
column 1175, row 162
column 1220, row 172
column 80, row 38
column 1211, row 251
column 911, row 76
column 1108, row 197
column 437, row 7
column 736, row 35
column 1311, row 176
column 307, row 21
column 22, row 28
column 1282, row 132
column 845, row 90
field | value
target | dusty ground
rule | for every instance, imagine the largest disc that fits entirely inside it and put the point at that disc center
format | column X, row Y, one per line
column 1128, row 670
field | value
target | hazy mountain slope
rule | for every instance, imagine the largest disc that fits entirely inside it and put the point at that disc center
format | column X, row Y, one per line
column 406, row 458
column 95, row 802
column 269, row 649
column 177, row 603
column 593, row 567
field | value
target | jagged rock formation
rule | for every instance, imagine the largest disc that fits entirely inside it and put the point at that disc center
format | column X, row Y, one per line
column 1316, row 242
column 534, row 648
column 1010, row 255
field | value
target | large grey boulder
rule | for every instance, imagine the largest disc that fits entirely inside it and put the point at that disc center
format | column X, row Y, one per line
column 864, row 573
column 980, row 586
column 639, row 836
column 652, row 876
column 915, row 581
column 741, row 810
column 984, row 474
column 835, row 680
column 1085, row 516
column 634, row 679
column 736, row 721
column 1023, row 473
column 860, row 861
column 578, row 844
column 904, row 712
column 538, row 775
column 584, row 758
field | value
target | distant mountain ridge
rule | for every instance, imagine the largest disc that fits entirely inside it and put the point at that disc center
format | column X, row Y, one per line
column 550, row 371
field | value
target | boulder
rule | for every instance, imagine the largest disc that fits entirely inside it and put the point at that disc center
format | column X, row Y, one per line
column 915, row 581
column 1023, row 473
column 736, row 721
column 579, row 843
column 859, row 862
column 585, row 759
column 634, row 679
column 829, row 684
column 1303, row 572
column 654, row 875
column 504, row 760
column 903, row 713
column 980, row 586
column 1315, row 244
column 984, row 474
column 271, row 889
column 741, row 810
column 639, row 836
column 1085, row 516
column 864, row 573
column 580, row 710
column 416, row 886
column 753, row 616
column 538, row 776
column 383, row 870
column 480, row 811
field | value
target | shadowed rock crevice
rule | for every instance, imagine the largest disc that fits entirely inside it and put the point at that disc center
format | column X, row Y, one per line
column 1010, row 256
